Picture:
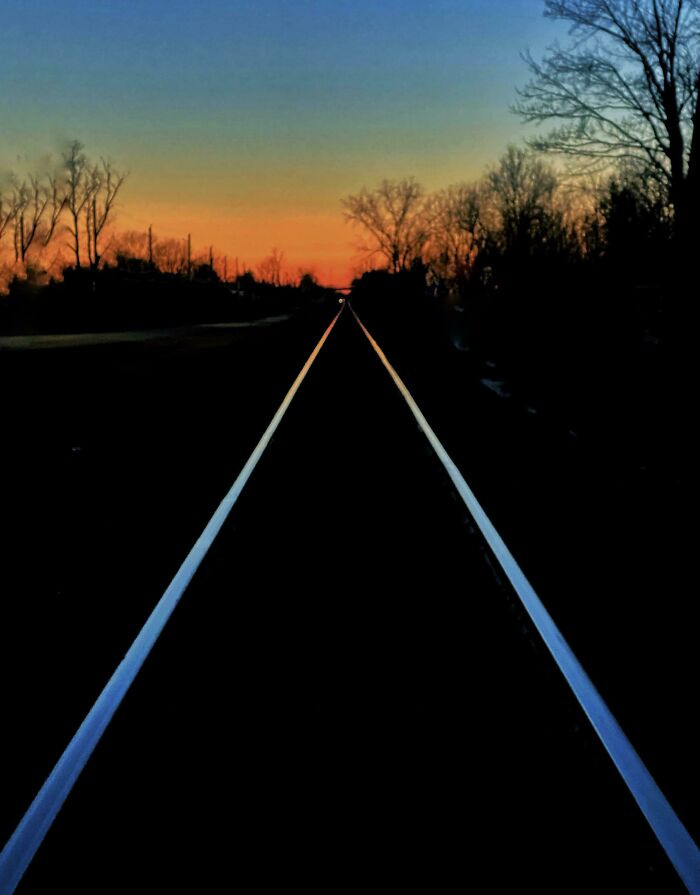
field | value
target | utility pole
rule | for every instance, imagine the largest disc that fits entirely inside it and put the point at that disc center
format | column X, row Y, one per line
column 211, row 258
column 225, row 268
column 150, row 245
column 189, row 255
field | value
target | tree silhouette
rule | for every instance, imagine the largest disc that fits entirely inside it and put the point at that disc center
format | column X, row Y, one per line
column 522, row 188
column 626, row 88
column 270, row 268
column 8, row 212
column 78, row 189
column 31, row 203
column 170, row 256
column 395, row 216
column 102, row 186
column 636, row 226
column 56, row 202
column 457, row 231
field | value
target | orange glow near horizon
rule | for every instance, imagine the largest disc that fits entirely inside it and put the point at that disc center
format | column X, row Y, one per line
column 310, row 240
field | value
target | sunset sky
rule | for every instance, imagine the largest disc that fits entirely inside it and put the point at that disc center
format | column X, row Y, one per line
column 245, row 123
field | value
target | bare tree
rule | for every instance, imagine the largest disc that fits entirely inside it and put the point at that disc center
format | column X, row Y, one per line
column 457, row 231
column 628, row 87
column 632, row 224
column 8, row 212
column 103, row 183
column 521, row 187
column 170, row 256
column 78, row 191
column 91, row 186
column 128, row 244
column 529, row 216
column 32, row 210
column 56, row 202
column 396, row 219
column 270, row 268
column 31, row 201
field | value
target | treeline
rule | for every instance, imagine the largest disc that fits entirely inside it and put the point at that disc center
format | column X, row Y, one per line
column 136, row 248
column 569, row 285
column 555, row 287
column 522, row 219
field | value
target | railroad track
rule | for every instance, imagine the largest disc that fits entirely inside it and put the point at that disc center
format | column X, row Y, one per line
column 345, row 679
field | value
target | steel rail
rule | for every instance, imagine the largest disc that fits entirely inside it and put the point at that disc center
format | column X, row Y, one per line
column 667, row 826
column 31, row 830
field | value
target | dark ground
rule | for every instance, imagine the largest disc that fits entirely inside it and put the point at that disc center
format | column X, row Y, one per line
column 347, row 695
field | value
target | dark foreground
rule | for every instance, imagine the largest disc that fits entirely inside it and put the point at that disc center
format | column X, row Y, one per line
column 347, row 695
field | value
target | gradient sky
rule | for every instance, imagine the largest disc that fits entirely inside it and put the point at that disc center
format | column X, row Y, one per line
column 246, row 122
